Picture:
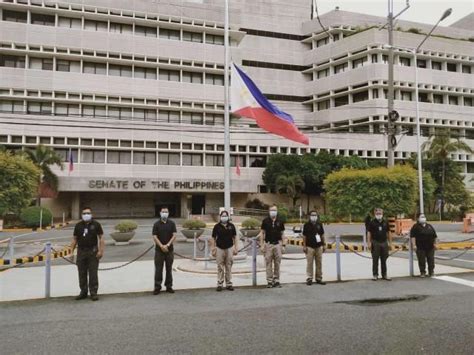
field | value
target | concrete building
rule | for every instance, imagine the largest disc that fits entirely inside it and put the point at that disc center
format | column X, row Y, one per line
column 134, row 90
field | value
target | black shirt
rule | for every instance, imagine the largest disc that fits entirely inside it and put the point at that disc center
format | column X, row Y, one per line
column 87, row 234
column 273, row 230
column 424, row 235
column 224, row 235
column 164, row 231
column 310, row 230
column 378, row 230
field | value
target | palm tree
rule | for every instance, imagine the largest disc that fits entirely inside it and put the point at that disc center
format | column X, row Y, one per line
column 292, row 185
column 44, row 157
column 440, row 146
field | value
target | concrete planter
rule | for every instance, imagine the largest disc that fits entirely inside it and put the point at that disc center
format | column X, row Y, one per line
column 249, row 233
column 122, row 238
column 189, row 233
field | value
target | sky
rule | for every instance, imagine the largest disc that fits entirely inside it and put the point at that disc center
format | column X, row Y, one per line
column 424, row 11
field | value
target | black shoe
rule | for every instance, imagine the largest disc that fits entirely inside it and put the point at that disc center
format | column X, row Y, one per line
column 156, row 291
column 230, row 288
column 375, row 278
column 309, row 282
column 169, row 290
column 423, row 274
column 431, row 274
column 81, row 296
column 219, row 288
column 320, row 282
column 386, row 278
column 94, row 297
column 269, row 285
column 276, row 284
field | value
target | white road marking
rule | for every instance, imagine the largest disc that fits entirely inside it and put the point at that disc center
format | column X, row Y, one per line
column 455, row 280
column 457, row 259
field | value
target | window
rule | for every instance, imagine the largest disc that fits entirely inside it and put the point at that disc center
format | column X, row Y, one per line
column 438, row 99
column 69, row 22
column 94, row 68
column 118, row 157
column 453, row 100
column 468, row 101
column 192, row 159
column 340, row 68
column 322, row 42
column 192, row 77
column 64, row 154
column 323, row 105
column 435, row 65
column 169, row 75
column 145, row 73
column 66, row 109
column 214, row 119
column 95, row 25
column 12, row 61
column 145, row 31
column 421, row 63
column 423, row 97
column 15, row 16
column 41, row 63
column 358, row 62
column 451, row 67
column 341, row 101
column 170, row 34
column 120, row 112
column 192, row 36
column 169, row 116
column 169, row 159
column 39, row 108
column 385, row 58
column 405, row 62
column 144, row 115
column 360, row 96
column 120, row 70
column 322, row 73
column 196, row 118
column 68, row 66
column 214, row 39
column 93, row 156
column 41, row 19
column 375, row 93
column 405, row 95
column 214, row 79
column 121, row 28
column 93, row 111
column 145, row 158
column 11, row 106
column 30, row 140
column 254, row 161
column 214, row 160
column 470, row 168
column 466, row 69
column 375, row 58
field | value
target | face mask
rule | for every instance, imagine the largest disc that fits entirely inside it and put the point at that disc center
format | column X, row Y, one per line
column 422, row 220
column 379, row 216
column 86, row 217
column 313, row 218
column 273, row 214
column 224, row 219
column 164, row 215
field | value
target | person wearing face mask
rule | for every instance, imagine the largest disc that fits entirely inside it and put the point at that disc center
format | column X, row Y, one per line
column 90, row 249
column 224, row 247
column 423, row 238
column 164, row 234
column 379, row 241
column 314, row 246
column 271, row 245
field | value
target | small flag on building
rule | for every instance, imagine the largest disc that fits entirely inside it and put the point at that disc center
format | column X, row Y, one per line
column 246, row 100
column 70, row 159
column 237, row 165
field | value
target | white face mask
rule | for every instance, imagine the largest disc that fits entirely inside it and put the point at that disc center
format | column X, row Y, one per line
column 422, row 220
column 224, row 219
column 313, row 218
column 164, row 215
column 86, row 217
column 273, row 214
column 379, row 217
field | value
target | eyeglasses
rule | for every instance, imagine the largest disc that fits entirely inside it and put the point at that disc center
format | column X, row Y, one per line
column 86, row 213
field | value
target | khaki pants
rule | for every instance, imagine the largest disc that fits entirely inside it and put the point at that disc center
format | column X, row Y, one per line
column 224, row 260
column 272, row 261
column 314, row 256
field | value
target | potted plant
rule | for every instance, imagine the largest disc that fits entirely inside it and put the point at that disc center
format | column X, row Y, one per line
column 250, row 227
column 124, row 232
column 193, row 227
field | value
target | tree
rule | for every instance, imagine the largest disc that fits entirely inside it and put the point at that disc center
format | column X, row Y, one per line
column 292, row 185
column 18, row 182
column 44, row 157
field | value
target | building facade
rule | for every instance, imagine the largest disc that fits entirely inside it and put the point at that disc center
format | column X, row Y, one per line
column 133, row 90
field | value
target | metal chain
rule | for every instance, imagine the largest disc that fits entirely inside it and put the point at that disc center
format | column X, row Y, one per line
column 454, row 257
column 456, row 241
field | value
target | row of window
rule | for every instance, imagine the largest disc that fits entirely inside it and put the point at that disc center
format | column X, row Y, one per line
column 112, row 70
column 112, row 27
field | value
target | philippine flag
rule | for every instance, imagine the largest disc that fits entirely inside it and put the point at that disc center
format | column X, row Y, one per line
column 247, row 100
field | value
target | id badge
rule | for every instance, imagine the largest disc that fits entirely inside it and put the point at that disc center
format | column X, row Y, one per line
column 318, row 238
column 85, row 232
column 380, row 228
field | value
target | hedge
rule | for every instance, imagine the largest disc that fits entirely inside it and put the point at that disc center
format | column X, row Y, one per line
column 31, row 217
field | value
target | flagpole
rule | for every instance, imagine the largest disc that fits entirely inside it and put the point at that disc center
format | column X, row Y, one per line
column 226, row 109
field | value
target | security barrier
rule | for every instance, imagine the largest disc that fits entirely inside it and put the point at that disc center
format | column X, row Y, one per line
column 36, row 258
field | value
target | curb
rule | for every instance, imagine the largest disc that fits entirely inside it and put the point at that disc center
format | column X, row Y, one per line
column 54, row 226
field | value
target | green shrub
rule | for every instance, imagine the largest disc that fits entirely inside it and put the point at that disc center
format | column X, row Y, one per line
column 282, row 213
column 251, row 223
column 31, row 217
column 126, row 226
column 414, row 30
column 194, row 224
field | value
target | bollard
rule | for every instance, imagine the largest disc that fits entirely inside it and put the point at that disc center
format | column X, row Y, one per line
column 47, row 284
column 410, row 257
column 254, row 262
column 206, row 252
column 195, row 241
column 64, row 219
column 11, row 249
column 364, row 241
column 338, row 257
column 52, row 221
column 41, row 219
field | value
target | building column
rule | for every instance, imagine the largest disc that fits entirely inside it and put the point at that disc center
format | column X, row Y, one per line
column 76, row 205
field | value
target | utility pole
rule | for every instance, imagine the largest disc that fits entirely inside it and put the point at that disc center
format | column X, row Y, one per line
column 390, row 92
column 226, row 109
